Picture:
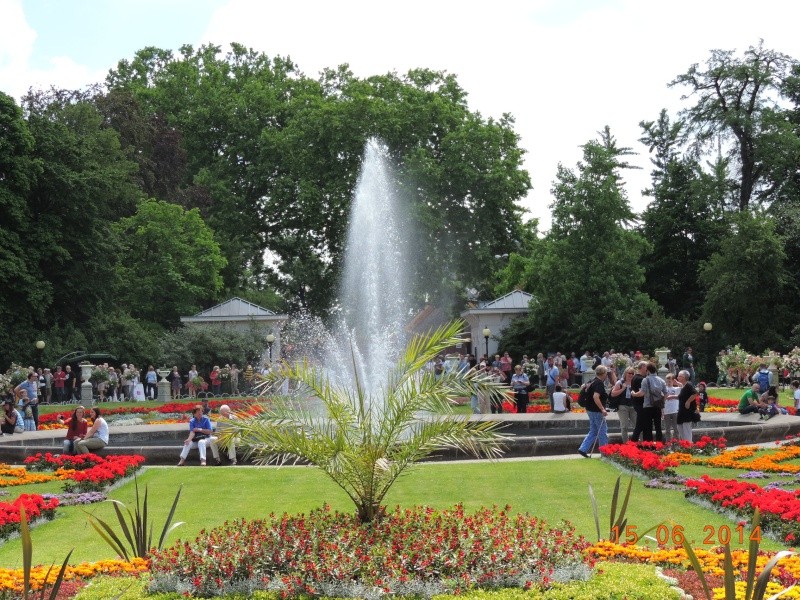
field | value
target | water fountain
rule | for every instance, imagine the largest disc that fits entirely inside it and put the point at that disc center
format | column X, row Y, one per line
column 368, row 333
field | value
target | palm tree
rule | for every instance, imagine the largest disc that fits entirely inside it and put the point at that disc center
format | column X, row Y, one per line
column 365, row 442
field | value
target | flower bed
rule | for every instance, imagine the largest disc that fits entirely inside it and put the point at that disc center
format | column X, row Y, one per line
column 631, row 456
column 36, row 507
column 11, row 580
column 86, row 472
column 50, row 421
column 780, row 509
column 787, row 571
column 417, row 551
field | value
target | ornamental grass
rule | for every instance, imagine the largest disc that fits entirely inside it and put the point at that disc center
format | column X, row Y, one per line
column 418, row 551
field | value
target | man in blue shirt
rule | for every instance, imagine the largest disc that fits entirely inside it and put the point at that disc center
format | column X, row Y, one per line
column 552, row 379
column 31, row 385
column 199, row 437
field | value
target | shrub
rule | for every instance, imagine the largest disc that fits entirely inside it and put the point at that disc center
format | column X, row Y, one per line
column 419, row 551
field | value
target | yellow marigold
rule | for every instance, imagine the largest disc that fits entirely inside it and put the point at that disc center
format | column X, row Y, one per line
column 12, row 579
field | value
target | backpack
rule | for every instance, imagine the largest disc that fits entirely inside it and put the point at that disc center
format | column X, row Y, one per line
column 656, row 390
column 762, row 377
column 585, row 395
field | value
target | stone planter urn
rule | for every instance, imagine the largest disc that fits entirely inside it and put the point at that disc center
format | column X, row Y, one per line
column 86, row 385
column 663, row 361
column 163, row 385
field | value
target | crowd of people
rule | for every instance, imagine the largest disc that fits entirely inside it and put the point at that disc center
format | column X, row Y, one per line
column 62, row 385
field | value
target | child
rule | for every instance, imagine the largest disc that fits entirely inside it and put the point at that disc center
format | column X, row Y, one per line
column 702, row 395
column 27, row 411
column 770, row 410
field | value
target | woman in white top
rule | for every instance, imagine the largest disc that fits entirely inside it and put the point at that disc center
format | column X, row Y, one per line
column 97, row 436
column 796, row 393
column 671, row 404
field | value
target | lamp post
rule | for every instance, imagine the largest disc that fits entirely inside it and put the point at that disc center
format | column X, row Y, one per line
column 270, row 341
column 707, row 327
column 40, row 349
column 486, row 333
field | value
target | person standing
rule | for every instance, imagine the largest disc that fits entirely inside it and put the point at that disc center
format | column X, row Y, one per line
column 69, row 384
column 31, row 386
column 796, row 393
column 687, row 406
column 638, row 399
column 621, row 396
column 654, row 389
column 596, row 411
column 190, row 385
column 520, row 383
column 671, row 408
column 216, row 382
column 541, row 365
column 234, row 380
column 151, row 383
column 688, row 363
column 176, row 383
column 552, row 374
column 506, row 366
column 249, row 374
column 58, row 384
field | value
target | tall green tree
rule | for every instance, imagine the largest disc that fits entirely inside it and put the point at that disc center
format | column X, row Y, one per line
column 265, row 141
column 747, row 285
column 735, row 99
column 86, row 184
column 588, row 289
column 171, row 263
column 23, row 293
column 683, row 222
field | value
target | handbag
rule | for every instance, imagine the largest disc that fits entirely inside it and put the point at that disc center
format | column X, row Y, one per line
column 695, row 417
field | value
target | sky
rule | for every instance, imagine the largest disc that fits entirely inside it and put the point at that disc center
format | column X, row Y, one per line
column 563, row 68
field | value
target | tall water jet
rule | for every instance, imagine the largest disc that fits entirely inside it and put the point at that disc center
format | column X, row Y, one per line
column 374, row 281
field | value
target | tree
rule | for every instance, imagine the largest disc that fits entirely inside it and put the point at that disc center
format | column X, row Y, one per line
column 683, row 222
column 86, row 184
column 364, row 443
column 734, row 98
column 747, row 285
column 209, row 345
column 588, row 285
column 171, row 263
column 263, row 140
column 23, row 295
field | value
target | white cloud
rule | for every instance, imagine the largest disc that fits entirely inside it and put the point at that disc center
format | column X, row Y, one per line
column 17, row 74
column 16, row 46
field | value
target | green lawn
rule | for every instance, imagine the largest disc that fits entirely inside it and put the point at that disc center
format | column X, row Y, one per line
column 550, row 489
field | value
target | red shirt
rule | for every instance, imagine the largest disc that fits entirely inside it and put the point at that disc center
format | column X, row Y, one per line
column 214, row 377
column 80, row 430
column 59, row 377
